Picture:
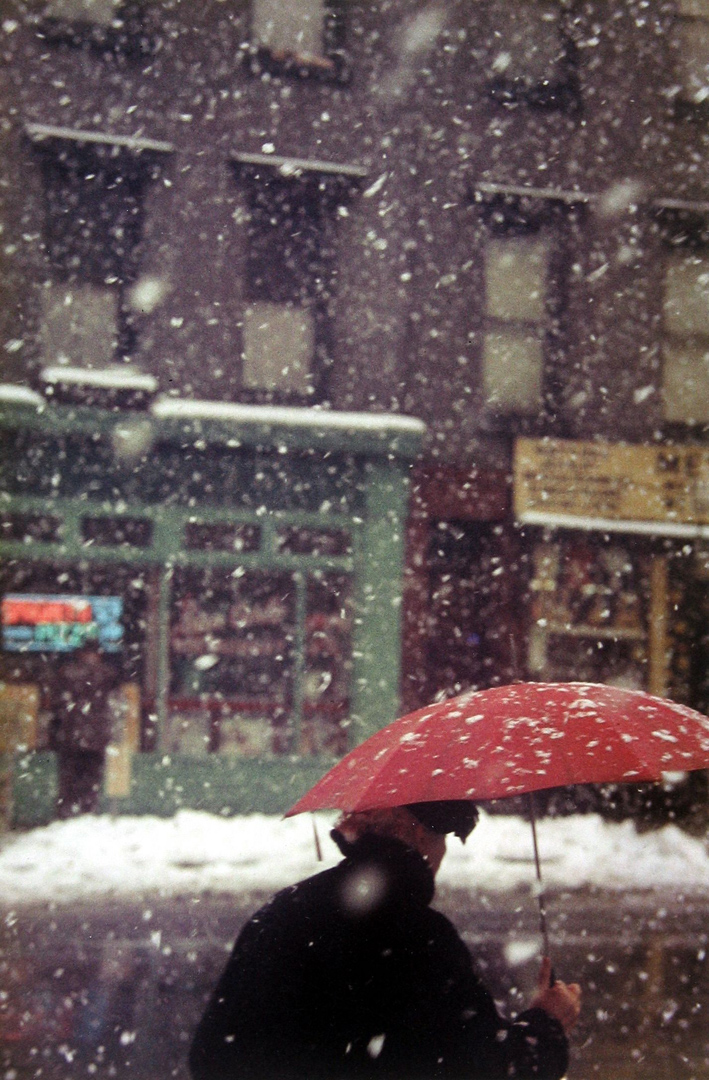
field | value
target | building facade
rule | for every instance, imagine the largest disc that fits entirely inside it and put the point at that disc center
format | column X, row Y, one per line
column 486, row 222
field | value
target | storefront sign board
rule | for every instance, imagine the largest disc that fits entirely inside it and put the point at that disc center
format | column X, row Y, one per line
column 559, row 479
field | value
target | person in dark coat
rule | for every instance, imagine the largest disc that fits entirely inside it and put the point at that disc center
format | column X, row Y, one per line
column 82, row 728
column 350, row 974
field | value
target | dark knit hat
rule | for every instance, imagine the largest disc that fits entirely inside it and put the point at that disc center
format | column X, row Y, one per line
column 459, row 816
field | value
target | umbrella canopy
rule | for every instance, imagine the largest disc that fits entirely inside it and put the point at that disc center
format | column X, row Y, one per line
column 508, row 740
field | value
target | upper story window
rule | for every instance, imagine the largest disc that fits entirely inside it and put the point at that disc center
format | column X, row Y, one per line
column 288, row 287
column 302, row 37
column 528, row 244
column 289, row 279
column 685, row 341
column 97, row 12
column 107, row 24
column 79, row 324
column 531, row 55
column 94, row 198
column 516, row 316
column 693, row 51
column 93, row 227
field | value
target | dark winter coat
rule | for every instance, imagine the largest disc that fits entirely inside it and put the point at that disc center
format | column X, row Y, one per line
column 351, row 974
column 81, row 705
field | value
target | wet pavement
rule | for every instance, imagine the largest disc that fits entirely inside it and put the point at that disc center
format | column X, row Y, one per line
column 114, row 988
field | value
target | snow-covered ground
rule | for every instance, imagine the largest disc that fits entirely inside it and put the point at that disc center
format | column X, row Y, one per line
column 195, row 851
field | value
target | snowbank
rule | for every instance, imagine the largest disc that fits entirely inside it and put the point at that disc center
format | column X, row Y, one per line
column 194, row 851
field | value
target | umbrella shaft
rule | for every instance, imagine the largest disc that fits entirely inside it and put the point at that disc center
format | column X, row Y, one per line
column 538, row 867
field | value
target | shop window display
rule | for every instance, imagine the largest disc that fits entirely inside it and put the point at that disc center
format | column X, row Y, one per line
column 260, row 662
column 590, row 613
column 231, row 645
column 328, row 664
column 49, row 611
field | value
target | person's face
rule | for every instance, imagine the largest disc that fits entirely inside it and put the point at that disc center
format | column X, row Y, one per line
column 432, row 846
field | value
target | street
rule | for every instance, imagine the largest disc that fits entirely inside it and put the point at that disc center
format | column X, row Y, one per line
column 114, row 988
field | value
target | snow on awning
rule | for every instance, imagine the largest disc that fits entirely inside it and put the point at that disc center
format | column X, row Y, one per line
column 288, row 427
column 105, row 396
column 41, row 132
column 288, row 416
column 107, row 378
column 290, row 166
column 15, row 394
column 610, row 525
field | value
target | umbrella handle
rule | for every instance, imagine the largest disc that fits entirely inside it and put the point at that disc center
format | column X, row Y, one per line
column 540, row 896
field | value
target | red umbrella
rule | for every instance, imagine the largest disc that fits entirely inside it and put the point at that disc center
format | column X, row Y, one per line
column 511, row 740
column 488, row 744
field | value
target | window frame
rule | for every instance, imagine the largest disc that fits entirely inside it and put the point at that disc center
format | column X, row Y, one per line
column 117, row 332
column 326, row 186
column 686, row 103
column 526, row 328
column 62, row 156
column 129, row 35
column 511, row 216
column 684, row 232
column 562, row 90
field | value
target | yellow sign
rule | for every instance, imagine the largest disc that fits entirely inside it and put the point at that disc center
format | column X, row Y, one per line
column 556, row 479
column 125, row 742
column 19, row 709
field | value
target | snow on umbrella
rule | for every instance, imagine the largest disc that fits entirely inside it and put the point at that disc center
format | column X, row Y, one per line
column 489, row 744
column 514, row 740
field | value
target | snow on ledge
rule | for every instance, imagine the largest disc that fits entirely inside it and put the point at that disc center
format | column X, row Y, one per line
column 120, row 378
column 40, row 132
column 20, row 395
column 289, row 416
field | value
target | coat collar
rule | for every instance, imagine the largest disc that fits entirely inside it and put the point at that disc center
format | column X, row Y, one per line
column 407, row 870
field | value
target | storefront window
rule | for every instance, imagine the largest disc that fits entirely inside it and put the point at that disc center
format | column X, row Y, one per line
column 231, row 655
column 328, row 664
column 259, row 662
column 56, row 607
column 590, row 612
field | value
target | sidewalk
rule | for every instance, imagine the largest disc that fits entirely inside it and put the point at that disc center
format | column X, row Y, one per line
column 115, row 988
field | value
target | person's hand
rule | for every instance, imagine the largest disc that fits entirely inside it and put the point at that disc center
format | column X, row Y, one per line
column 560, row 1000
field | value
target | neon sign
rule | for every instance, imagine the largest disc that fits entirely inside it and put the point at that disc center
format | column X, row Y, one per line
column 35, row 622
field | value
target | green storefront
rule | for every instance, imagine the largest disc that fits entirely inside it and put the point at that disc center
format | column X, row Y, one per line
column 256, row 554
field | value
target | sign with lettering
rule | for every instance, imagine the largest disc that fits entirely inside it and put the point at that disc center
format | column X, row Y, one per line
column 35, row 622
column 563, row 478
